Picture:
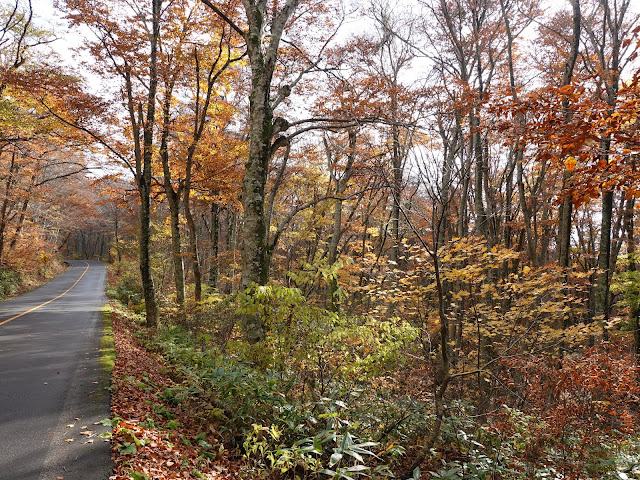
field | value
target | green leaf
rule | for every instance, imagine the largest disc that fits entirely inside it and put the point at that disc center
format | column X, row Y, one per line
column 355, row 455
column 111, row 422
column 326, row 471
column 171, row 425
column 128, row 448
column 139, row 476
column 347, row 441
column 358, row 468
column 365, row 445
column 204, row 444
column 335, row 458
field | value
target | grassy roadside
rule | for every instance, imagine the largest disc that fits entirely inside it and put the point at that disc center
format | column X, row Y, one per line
column 107, row 345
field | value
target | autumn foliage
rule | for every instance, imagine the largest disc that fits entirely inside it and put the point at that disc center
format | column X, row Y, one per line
column 365, row 241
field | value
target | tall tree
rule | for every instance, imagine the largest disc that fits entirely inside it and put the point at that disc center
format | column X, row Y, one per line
column 262, row 50
column 126, row 47
column 566, row 209
column 607, row 26
column 144, row 162
column 393, row 61
column 196, row 52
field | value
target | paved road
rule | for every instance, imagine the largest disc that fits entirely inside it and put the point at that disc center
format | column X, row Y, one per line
column 51, row 384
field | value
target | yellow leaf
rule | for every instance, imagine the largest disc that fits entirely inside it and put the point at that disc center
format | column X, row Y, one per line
column 570, row 163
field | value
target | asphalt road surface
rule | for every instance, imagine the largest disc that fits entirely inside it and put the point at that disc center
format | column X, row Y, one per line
column 52, row 388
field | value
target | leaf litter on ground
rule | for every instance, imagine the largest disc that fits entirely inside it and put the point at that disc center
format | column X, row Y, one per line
column 150, row 438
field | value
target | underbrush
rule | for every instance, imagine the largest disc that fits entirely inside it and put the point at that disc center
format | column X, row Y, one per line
column 296, row 405
column 329, row 395
column 10, row 282
column 125, row 286
column 355, row 431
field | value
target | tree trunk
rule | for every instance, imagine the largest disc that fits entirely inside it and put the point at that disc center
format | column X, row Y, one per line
column 232, row 246
column 214, row 238
column 628, row 228
column 396, row 187
column 546, row 226
column 631, row 253
column 336, row 234
column 519, row 148
column 451, row 147
column 564, row 227
column 601, row 307
column 117, row 236
column 526, row 213
column 607, row 43
column 508, row 207
column 253, row 246
column 255, row 257
column 476, row 149
column 173, row 199
column 23, row 214
column 618, row 234
column 463, row 215
column 193, row 245
column 145, row 177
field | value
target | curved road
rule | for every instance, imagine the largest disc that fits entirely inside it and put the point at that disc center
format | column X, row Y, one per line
column 51, row 385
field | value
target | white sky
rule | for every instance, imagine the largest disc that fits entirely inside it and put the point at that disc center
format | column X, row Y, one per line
column 67, row 40
column 48, row 17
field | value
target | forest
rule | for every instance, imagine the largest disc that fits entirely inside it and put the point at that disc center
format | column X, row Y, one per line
column 368, row 239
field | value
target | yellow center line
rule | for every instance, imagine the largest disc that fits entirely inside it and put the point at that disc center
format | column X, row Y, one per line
column 49, row 301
